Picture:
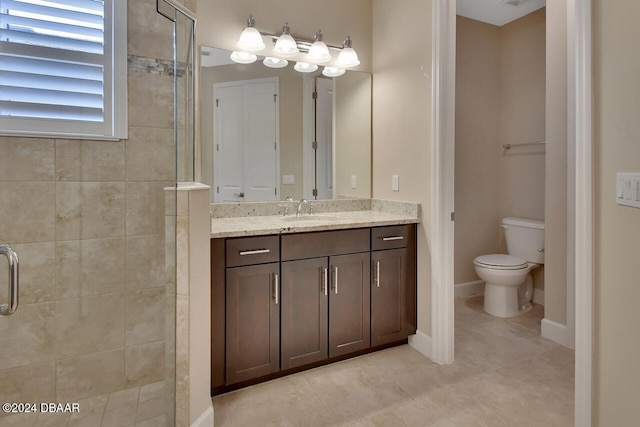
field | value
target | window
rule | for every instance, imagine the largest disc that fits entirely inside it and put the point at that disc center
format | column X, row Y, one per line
column 63, row 68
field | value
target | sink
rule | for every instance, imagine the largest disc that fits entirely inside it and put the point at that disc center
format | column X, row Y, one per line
column 314, row 218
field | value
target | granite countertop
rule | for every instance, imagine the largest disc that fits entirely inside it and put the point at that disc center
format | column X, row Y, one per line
column 380, row 213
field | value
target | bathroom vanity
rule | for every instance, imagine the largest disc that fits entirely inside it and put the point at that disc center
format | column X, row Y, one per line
column 323, row 289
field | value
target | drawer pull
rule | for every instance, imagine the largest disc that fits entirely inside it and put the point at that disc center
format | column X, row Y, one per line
column 391, row 238
column 255, row 252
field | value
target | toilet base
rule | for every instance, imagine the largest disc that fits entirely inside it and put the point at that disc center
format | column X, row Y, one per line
column 508, row 301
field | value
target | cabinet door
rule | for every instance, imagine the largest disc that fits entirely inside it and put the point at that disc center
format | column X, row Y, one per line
column 349, row 303
column 252, row 322
column 388, row 284
column 304, row 312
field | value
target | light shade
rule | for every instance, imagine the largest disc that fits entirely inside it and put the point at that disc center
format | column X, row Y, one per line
column 348, row 58
column 286, row 46
column 251, row 39
column 304, row 67
column 318, row 52
column 243, row 57
column 333, row 71
column 275, row 62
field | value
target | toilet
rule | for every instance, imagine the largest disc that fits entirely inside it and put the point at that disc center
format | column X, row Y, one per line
column 508, row 285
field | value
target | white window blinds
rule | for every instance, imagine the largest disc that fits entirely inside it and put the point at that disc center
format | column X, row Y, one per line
column 58, row 64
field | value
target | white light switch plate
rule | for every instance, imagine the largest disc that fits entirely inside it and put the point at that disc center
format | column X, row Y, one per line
column 353, row 181
column 395, row 183
column 628, row 189
column 288, row 179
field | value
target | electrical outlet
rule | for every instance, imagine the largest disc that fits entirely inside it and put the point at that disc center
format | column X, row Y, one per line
column 395, row 183
column 353, row 181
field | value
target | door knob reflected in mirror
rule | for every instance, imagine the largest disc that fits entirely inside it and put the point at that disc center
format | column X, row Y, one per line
column 239, row 194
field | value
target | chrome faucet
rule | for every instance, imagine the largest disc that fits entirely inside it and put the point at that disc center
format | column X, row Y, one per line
column 286, row 205
column 300, row 203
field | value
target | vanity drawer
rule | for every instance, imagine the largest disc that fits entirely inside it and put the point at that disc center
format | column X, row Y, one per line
column 392, row 237
column 252, row 250
column 324, row 243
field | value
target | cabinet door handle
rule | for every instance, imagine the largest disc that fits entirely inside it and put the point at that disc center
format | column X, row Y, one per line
column 378, row 273
column 390, row 238
column 275, row 285
column 325, row 279
column 336, row 280
column 255, row 252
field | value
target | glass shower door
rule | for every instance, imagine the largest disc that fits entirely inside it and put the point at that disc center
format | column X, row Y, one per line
column 92, row 339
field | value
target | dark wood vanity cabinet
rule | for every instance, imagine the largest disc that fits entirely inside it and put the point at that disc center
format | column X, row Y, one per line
column 305, row 312
column 349, row 304
column 252, row 322
column 295, row 300
column 389, row 284
column 325, row 306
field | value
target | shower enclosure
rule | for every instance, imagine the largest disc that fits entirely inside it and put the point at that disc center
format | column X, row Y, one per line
column 88, row 231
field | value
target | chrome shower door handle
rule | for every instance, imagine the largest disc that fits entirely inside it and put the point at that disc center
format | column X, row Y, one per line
column 14, row 281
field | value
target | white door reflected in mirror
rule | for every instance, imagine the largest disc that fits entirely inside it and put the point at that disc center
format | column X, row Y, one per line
column 245, row 134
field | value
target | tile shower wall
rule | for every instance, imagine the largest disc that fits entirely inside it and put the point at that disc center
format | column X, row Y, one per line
column 87, row 219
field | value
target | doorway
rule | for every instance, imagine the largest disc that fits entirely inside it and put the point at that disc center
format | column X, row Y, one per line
column 579, row 223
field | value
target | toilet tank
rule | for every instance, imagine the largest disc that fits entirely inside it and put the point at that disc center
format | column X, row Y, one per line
column 525, row 238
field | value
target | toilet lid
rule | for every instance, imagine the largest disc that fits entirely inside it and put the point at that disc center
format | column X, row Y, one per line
column 500, row 262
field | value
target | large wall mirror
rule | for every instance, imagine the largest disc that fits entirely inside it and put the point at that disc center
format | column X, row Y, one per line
column 268, row 134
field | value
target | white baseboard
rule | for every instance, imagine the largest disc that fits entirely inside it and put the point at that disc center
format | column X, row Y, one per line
column 205, row 419
column 421, row 342
column 468, row 289
column 538, row 296
column 555, row 332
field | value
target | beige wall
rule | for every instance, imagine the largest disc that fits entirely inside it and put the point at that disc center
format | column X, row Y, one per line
column 522, row 117
column 500, row 99
column 477, row 153
column 221, row 21
column 555, row 267
column 616, row 67
column 352, row 135
column 402, row 119
column 87, row 220
column 290, row 87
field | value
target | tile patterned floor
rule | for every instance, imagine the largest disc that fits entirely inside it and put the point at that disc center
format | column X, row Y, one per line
column 505, row 374
column 144, row 406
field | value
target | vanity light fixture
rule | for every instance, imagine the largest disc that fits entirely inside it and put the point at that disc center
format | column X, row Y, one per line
column 251, row 39
column 318, row 52
column 286, row 46
column 333, row 71
column 243, row 57
column 305, row 67
column 348, row 57
column 272, row 62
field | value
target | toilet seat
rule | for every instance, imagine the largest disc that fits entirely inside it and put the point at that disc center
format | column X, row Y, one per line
column 500, row 262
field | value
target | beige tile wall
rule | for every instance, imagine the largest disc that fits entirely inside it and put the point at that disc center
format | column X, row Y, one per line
column 87, row 219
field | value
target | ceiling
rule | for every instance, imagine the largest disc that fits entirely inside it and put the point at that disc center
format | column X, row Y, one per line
column 497, row 12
